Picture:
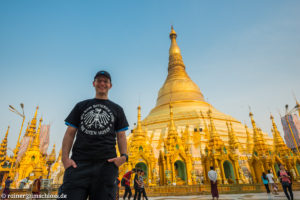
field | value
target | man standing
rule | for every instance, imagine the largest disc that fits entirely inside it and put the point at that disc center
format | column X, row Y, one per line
column 6, row 190
column 93, row 167
column 23, row 183
column 212, row 175
column 36, row 188
column 126, row 179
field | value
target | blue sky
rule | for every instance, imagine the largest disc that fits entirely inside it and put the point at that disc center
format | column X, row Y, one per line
column 240, row 54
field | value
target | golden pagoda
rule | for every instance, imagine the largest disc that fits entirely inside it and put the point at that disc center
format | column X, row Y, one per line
column 28, row 160
column 57, row 170
column 188, row 135
column 141, row 152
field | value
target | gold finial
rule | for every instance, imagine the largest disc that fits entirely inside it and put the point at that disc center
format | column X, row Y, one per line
column 139, row 124
column 35, row 114
column 174, row 49
column 7, row 132
column 173, row 33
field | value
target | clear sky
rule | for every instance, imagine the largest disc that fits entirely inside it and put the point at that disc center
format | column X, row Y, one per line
column 239, row 53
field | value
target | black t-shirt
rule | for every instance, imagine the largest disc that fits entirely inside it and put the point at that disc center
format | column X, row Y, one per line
column 97, row 122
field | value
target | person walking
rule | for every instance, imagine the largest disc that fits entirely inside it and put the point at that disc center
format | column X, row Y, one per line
column 136, row 184
column 23, row 183
column 286, row 182
column 265, row 181
column 272, row 183
column 212, row 175
column 36, row 188
column 142, row 186
column 97, row 124
column 6, row 190
column 126, row 183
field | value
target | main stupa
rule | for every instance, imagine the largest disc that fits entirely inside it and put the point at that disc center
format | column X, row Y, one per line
column 189, row 105
column 183, row 135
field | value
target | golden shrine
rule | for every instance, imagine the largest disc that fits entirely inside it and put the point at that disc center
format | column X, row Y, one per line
column 184, row 135
column 175, row 144
column 30, row 162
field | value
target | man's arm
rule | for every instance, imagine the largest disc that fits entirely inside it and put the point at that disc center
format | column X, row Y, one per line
column 67, row 145
column 122, row 144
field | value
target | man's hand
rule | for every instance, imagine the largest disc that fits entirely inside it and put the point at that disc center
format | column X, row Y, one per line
column 68, row 163
column 118, row 161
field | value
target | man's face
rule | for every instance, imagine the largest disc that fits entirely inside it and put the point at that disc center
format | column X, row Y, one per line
column 102, row 84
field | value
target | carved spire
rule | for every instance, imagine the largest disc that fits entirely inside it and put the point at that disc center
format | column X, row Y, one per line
column 59, row 155
column 259, row 145
column 32, row 127
column 172, row 137
column 249, row 141
column 278, row 143
column 36, row 141
column 232, row 140
column 139, row 123
column 138, row 132
column 172, row 129
column 52, row 156
column 175, row 58
column 3, row 146
column 206, row 130
column 215, row 142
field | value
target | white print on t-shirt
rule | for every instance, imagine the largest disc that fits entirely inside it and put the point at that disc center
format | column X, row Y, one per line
column 97, row 120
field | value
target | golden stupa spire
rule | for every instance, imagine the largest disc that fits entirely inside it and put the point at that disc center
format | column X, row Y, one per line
column 33, row 121
column 3, row 146
column 52, row 156
column 27, row 130
column 205, row 130
column 172, row 136
column 178, row 82
column 214, row 141
column 258, row 140
column 32, row 127
column 172, row 129
column 36, row 141
column 278, row 143
column 249, row 141
column 59, row 155
column 232, row 140
column 174, row 50
column 139, row 123
column 138, row 130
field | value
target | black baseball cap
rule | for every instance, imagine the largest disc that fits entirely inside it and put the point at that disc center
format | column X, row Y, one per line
column 103, row 73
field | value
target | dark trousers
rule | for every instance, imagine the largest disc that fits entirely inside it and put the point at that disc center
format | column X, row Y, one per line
column 127, row 191
column 142, row 191
column 136, row 191
column 289, row 187
column 93, row 179
column 267, row 188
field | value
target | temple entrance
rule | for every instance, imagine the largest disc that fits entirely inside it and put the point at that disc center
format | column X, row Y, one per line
column 161, row 172
column 276, row 167
column 229, row 172
column 258, row 170
column 142, row 166
column 180, row 172
column 298, row 167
